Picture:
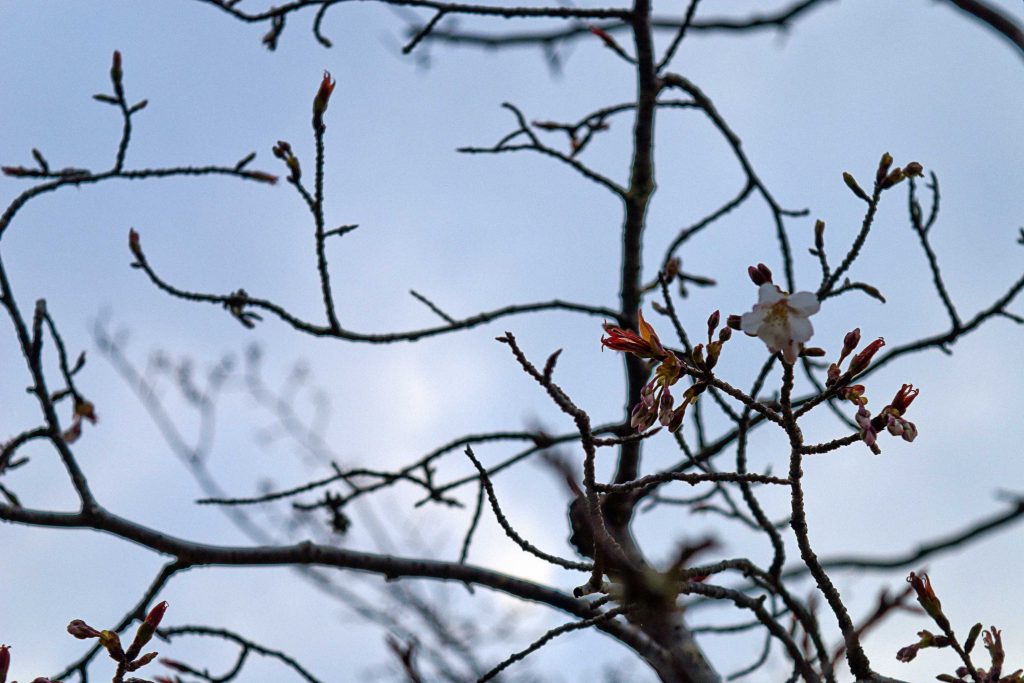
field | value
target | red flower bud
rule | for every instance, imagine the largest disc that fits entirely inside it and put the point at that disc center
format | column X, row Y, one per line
column 643, row 345
column 862, row 360
column 323, row 96
column 759, row 274
column 115, row 68
column 713, row 321
column 176, row 665
column 605, row 37
column 734, row 322
column 850, row 342
column 156, row 614
column 146, row 630
column 904, row 397
column 922, row 585
column 134, row 245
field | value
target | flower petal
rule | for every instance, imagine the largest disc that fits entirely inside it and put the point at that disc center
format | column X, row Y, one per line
column 804, row 303
column 752, row 321
column 800, row 329
column 774, row 332
column 768, row 294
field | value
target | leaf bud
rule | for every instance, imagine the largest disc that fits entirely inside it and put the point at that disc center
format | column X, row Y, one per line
column 851, row 183
column 883, row 167
column 895, row 177
column 112, row 643
column 698, row 357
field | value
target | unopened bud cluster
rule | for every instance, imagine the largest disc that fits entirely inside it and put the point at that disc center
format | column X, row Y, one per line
column 891, row 417
column 657, row 404
column 131, row 659
column 282, row 150
column 128, row 660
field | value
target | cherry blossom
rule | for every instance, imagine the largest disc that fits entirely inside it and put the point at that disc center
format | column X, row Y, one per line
column 781, row 320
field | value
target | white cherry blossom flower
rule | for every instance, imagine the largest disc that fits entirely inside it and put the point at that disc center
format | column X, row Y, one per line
column 781, row 320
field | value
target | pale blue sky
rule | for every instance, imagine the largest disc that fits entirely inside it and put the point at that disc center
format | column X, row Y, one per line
column 850, row 81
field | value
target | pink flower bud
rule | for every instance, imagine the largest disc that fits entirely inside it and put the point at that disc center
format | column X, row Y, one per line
column 713, row 321
column 850, row 342
column 81, row 630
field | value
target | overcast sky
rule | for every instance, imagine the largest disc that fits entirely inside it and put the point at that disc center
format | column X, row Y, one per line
column 846, row 83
